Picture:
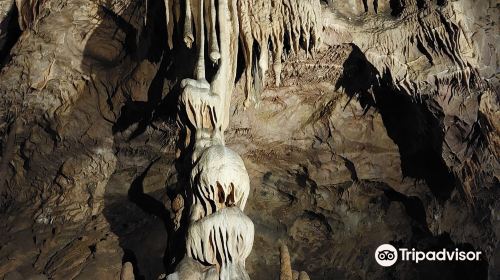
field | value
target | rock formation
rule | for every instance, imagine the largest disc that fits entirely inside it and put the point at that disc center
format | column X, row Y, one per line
column 265, row 22
column 127, row 272
column 285, row 264
column 219, row 235
column 123, row 124
column 286, row 272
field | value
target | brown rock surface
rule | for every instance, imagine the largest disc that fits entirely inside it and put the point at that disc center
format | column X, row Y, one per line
column 389, row 133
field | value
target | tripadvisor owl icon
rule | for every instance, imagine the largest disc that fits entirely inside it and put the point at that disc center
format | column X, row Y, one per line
column 386, row 255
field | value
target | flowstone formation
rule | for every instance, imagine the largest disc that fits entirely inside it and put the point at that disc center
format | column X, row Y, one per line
column 219, row 235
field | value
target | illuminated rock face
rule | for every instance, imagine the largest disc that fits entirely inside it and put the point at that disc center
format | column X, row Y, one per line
column 394, row 119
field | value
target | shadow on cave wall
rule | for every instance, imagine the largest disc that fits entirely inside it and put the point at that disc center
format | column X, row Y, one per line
column 11, row 33
column 139, row 219
column 416, row 128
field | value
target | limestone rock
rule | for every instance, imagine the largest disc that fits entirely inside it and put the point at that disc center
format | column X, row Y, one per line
column 127, row 272
column 285, row 264
column 383, row 129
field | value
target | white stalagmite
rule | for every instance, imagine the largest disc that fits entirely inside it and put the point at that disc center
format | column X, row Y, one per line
column 221, row 181
column 219, row 235
column 201, row 105
column 223, row 239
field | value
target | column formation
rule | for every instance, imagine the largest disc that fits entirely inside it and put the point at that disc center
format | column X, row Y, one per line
column 219, row 235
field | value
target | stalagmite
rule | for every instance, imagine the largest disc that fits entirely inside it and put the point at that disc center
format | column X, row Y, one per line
column 224, row 240
column 286, row 271
column 394, row 109
column 219, row 235
column 127, row 272
column 304, row 276
column 219, row 184
column 221, row 180
column 285, row 265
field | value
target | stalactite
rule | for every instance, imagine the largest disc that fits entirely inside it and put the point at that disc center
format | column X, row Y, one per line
column 219, row 235
column 169, row 15
column 211, row 22
column 188, row 27
column 277, row 38
column 263, row 21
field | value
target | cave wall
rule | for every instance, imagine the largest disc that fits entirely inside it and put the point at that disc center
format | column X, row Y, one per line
column 388, row 133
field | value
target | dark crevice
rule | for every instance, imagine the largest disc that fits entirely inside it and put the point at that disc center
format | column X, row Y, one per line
column 351, row 167
column 423, row 50
column 414, row 209
column 397, row 7
column 303, row 179
column 129, row 44
column 320, row 217
column 421, row 4
column 442, row 2
column 10, row 25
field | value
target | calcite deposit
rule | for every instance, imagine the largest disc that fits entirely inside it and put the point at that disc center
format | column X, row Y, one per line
column 247, row 139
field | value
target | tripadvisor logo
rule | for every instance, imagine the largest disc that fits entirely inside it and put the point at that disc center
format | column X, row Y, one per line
column 387, row 255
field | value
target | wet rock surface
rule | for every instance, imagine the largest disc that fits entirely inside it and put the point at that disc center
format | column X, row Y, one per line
column 388, row 134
